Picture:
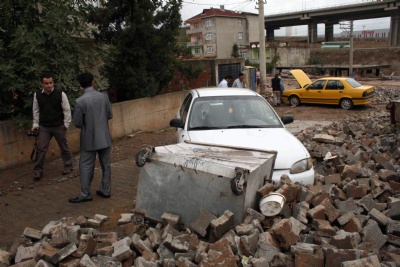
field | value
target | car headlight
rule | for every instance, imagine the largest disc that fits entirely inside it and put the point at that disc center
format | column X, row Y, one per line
column 301, row 166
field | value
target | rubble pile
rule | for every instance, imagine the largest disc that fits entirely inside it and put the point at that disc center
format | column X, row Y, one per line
column 349, row 217
column 384, row 95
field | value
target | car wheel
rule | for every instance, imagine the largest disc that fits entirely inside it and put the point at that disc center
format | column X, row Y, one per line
column 346, row 103
column 294, row 101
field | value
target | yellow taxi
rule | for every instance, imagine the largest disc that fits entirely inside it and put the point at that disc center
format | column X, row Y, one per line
column 343, row 91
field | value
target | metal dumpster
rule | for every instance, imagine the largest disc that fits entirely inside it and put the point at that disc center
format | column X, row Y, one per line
column 184, row 178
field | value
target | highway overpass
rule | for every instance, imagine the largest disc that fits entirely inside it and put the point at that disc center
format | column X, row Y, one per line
column 333, row 15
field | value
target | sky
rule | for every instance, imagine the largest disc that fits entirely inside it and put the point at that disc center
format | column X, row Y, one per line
column 191, row 8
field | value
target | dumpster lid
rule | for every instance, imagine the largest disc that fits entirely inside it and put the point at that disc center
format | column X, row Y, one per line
column 212, row 159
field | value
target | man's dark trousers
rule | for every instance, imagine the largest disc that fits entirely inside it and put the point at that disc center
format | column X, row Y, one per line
column 45, row 134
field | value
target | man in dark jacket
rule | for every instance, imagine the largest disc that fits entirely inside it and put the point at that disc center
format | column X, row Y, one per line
column 276, row 84
column 91, row 115
column 51, row 118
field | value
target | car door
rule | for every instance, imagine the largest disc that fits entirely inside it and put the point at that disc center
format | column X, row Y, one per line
column 183, row 115
column 314, row 92
column 333, row 92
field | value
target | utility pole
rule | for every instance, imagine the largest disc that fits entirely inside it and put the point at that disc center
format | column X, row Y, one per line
column 349, row 30
column 261, row 27
column 351, row 49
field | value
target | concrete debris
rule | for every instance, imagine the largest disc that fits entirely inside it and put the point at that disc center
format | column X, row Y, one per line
column 384, row 95
column 349, row 217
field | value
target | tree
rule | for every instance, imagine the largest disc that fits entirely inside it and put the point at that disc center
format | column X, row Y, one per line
column 35, row 38
column 235, row 51
column 141, row 44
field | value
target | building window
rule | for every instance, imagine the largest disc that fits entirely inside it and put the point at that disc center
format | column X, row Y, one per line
column 210, row 49
column 198, row 38
column 240, row 22
column 208, row 23
column 240, row 35
column 255, row 54
column 209, row 36
column 243, row 54
column 197, row 51
column 196, row 25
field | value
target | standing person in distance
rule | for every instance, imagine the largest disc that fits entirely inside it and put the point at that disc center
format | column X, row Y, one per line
column 282, row 87
column 51, row 118
column 240, row 82
column 276, row 89
column 258, row 77
column 226, row 81
column 91, row 115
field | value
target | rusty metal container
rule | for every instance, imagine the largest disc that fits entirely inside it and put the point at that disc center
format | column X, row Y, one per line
column 184, row 178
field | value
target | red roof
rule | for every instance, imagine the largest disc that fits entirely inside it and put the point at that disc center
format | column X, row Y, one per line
column 216, row 12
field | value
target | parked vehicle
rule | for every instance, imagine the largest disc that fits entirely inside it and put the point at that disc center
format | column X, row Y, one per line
column 238, row 117
column 335, row 45
column 343, row 91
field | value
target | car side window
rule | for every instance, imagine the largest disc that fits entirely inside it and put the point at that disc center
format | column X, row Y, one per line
column 332, row 85
column 317, row 85
column 183, row 111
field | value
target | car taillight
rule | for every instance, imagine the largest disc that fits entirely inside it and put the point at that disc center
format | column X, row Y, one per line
column 367, row 93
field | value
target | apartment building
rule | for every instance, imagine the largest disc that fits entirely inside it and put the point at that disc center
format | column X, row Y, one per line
column 214, row 32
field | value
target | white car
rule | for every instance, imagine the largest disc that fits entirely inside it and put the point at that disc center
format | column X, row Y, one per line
column 242, row 118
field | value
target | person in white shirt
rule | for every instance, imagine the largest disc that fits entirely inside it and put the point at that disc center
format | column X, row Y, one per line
column 51, row 118
column 240, row 82
column 226, row 81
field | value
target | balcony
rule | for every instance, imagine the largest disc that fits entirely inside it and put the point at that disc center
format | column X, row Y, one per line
column 196, row 43
column 193, row 31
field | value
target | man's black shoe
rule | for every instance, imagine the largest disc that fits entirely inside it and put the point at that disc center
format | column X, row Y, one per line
column 99, row 193
column 37, row 175
column 79, row 199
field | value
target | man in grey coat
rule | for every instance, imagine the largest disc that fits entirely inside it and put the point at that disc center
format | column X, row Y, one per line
column 91, row 115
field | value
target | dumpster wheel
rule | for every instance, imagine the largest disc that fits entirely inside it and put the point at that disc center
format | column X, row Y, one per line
column 143, row 156
column 237, row 184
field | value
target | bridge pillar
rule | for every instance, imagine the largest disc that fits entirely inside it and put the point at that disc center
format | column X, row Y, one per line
column 312, row 32
column 270, row 34
column 328, row 32
column 394, row 35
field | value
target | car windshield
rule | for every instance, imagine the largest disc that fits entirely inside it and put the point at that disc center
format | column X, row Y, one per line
column 353, row 82
column 230, row 112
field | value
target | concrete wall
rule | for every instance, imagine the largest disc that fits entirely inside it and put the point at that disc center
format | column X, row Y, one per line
column 143, row 114
column 292, row 56
column 227, row 35
column 253, row 32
